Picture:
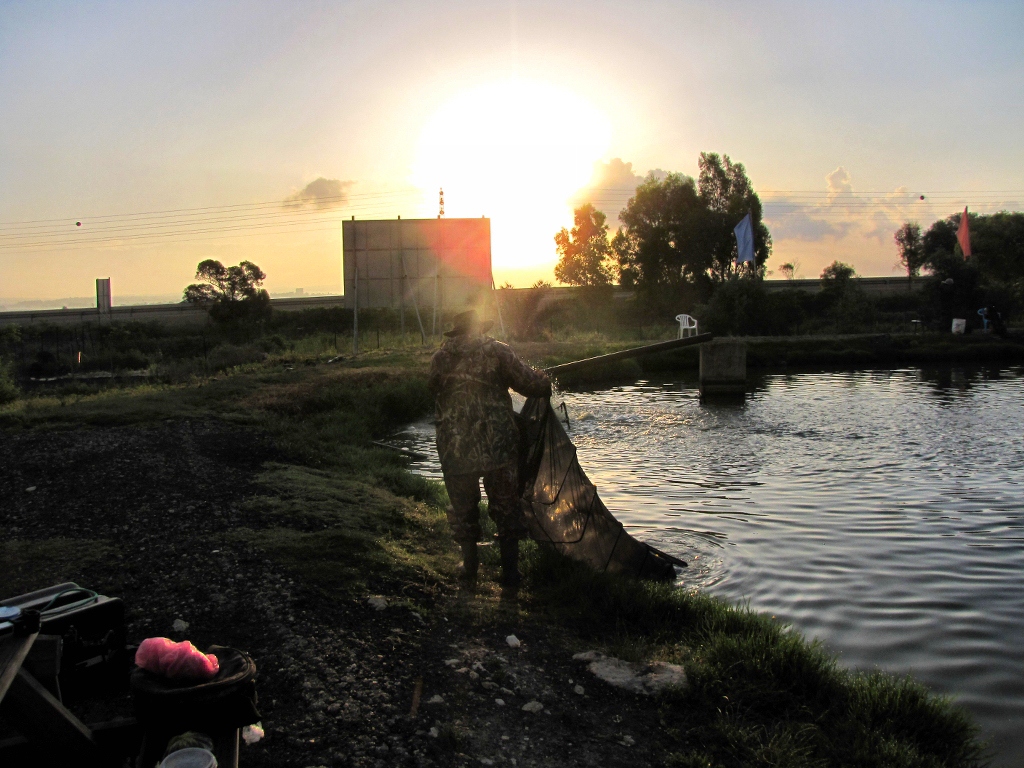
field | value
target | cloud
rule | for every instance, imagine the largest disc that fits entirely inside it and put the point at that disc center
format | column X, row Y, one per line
column 838, row 212
column 791, row 220
column 839, row 183
column 615, row 174
column 321, row 194
column 609, row 189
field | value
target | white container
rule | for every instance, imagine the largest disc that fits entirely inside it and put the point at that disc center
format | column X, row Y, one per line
column 959, row 325
column 190, row 757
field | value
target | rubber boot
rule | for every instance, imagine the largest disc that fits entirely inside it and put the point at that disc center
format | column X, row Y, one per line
column 470, row 565
column 510, row 578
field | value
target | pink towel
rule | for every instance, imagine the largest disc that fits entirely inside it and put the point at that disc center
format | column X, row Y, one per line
column 163, row 656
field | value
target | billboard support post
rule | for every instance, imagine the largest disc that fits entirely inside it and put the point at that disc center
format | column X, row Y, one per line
column 355, row 304
column 497, row 306
column 433, row 327
column 383, row 267
column 416, row 306
column 404, row 283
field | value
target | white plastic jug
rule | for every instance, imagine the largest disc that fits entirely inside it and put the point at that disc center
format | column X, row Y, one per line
column 190, row 757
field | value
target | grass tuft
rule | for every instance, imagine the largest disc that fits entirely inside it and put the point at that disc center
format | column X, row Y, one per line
column 29, row 563
column 759, row 694
column 346, row 517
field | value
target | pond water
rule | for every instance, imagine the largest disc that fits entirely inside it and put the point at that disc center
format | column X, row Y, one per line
column 879, row 511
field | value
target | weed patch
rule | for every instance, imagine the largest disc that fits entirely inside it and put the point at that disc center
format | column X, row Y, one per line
column 345, row 518
column 31, row 563
column 759, row 693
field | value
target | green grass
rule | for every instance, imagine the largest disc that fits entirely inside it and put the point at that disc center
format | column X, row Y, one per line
column 345, row 517
column 340, row 531
column 29, row 564
column 759, row 693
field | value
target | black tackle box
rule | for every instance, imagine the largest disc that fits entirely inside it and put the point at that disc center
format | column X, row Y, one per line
column 92, row 630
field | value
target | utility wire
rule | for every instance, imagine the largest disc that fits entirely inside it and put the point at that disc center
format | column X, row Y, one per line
column 281, row 217
column 298, row 203
column 613, row 192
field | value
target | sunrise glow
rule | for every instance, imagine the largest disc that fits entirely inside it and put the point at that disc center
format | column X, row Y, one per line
column 514, row 150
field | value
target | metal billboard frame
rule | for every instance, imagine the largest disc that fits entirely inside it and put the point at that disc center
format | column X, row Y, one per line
column 436, row 263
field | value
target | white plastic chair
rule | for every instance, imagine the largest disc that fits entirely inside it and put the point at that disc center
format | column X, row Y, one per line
column 687, row 325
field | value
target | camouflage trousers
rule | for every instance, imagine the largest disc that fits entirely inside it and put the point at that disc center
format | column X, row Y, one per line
column 503, row 504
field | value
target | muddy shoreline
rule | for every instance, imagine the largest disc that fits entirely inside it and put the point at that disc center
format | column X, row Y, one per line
column 152, row 513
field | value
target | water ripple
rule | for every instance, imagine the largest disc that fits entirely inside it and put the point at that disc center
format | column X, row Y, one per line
column 879, row 511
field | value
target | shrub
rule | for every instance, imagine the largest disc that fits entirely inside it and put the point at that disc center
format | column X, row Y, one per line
column 526, row 312
column 230, row 355
column 8, row 389
column 743, row 307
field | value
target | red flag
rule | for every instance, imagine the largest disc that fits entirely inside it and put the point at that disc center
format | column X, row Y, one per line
column 963, row 235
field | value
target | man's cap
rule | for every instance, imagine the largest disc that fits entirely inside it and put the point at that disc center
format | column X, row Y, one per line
column 468, row 322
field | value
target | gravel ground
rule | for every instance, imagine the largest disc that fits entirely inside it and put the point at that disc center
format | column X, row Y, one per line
column 336, row 680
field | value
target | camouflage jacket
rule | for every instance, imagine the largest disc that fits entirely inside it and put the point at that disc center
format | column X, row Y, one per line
column 470, row 377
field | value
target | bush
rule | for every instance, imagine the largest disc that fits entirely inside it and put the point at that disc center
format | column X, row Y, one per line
column 230, row 355
column 45, row 365
column 526, row 312
column 743, row 307
column 8, row 389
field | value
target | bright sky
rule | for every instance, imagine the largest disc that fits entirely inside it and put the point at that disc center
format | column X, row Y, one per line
column 176, row 132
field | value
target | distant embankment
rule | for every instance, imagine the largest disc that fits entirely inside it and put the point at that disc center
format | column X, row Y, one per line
column 178, row 314
column 872, row 286
column 768, row 353
column 188, row 314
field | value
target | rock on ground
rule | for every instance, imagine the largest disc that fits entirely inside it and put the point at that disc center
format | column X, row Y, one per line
column 336, row 677
column 645, row 678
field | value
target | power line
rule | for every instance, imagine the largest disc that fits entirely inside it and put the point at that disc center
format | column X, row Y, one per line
column 297, row 203
column 344, row 198
column 205, row 219
column 281, row 217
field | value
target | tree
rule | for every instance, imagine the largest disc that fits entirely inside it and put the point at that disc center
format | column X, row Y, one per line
column 835, row 281
column 583, row 253
column 658, row 243
column 836, row 274
column 788, row 270
column 911, row 248
column 995, row 272
column 676, row 231
column 230, row 293
column 728, row 196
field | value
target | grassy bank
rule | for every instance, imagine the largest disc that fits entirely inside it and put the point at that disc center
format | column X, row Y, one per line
column 343, row 518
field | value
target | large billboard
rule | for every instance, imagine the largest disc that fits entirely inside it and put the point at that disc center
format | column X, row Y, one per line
column 409, row 263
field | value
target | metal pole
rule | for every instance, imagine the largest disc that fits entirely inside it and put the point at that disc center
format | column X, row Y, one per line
column 415, row 303
column 437, row 266
column 355, row 302
column 497, row 306
column 401, row 300
column 649, row 349
column 433, row 327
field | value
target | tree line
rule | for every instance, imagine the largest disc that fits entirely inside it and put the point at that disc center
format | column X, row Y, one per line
column 675, row 231
column 993, row 275
column 676, row 239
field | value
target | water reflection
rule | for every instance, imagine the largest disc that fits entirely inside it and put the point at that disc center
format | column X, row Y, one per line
column 879, row 511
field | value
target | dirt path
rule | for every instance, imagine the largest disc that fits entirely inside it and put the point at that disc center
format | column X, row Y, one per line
column 336, row 677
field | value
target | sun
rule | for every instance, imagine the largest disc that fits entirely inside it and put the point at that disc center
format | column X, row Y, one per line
column 515, row 151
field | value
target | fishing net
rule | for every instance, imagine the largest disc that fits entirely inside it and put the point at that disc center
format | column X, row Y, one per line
column 564, row 510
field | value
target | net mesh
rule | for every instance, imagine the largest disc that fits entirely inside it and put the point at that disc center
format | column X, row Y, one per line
column 563, row 508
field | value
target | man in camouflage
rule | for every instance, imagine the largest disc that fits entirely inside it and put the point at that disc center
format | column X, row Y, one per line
column 477, row 436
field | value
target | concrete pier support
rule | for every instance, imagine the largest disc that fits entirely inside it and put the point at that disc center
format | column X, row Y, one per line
column 723, row 369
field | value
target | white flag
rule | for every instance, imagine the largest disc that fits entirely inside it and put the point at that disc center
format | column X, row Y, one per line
column 744, row 241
